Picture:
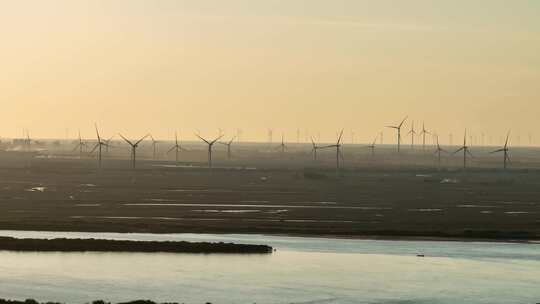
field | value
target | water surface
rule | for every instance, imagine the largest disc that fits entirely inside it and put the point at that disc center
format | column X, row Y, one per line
column 303, row 270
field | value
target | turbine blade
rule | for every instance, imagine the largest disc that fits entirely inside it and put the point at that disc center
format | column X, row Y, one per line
column 206, row 141
column 403, row 121
column 218, row 138
column 127, row 140
column 94, row 149
column 97, row 132
column 141, row 139
column 459, row 150
column 340, row 136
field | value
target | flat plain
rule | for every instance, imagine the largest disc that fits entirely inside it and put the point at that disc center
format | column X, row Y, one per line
column 262, row 190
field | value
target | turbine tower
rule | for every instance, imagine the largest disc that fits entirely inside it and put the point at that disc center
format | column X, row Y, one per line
column 465, row 149
column 210, row 145
column 134, row 147
column 398, row 128
column 505, row 150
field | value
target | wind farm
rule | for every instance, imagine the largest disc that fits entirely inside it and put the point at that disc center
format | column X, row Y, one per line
column 309, row 164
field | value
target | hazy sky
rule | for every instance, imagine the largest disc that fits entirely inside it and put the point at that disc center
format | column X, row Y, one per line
column 138, row 66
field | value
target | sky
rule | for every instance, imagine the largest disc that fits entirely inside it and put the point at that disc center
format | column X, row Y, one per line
column 139, row 66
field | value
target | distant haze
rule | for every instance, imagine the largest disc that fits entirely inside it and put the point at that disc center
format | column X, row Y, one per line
column 137, row 66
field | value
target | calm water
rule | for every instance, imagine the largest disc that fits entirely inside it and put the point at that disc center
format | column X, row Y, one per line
column 303, row 270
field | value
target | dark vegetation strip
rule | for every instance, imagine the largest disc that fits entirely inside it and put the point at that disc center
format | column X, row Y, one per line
column 81, row 245
column 32, row 301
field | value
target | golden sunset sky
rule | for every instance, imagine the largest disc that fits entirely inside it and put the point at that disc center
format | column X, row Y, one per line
column 138, row 66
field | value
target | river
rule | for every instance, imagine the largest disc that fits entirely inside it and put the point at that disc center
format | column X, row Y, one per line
column 302, row 270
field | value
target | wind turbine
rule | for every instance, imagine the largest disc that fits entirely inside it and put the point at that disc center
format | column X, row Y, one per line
column 177, row 148
column 315, row 148
column 98, row 145
column 210, row 145
column 372, row 147
column 398, row 128
column 338, row 149
column 465, row 149
column 107, row 144
column 134, row 146
column 412, row 132
column 27, row 142
column 228, row 144
column 423, row 133
column 282, row 146
column 80, row 145
column 239, row 134
column 270, row 136
column 154, row 146
column 483, row 142
column 505, row 150
column 438, row 151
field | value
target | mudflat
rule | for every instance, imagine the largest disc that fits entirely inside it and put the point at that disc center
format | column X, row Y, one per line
column 361, row 201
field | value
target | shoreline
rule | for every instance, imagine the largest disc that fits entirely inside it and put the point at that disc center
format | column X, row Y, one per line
column 373, row 237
